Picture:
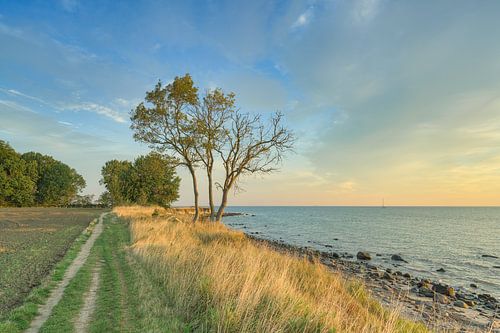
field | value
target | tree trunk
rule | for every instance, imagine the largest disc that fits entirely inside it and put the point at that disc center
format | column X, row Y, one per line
column 211, row 195
column 196, row 195
column 222, row 206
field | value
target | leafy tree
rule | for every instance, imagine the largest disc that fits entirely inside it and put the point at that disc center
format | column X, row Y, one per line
column 16, row 186
column 57, row 184
column 116, row 178
column 155, row 180
column 164, row 122
column 151, row 179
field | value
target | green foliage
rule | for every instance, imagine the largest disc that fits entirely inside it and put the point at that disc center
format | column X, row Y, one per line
column 57, row 184
column 116, row 178
column 33, row 178
column 16, row 185
column 155, row 180
column 151, row 179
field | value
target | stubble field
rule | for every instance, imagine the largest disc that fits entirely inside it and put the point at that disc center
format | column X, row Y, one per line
column 32, row 241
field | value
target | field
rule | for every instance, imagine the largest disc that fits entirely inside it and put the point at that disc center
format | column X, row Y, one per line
column 163, row 273
column 32, row 241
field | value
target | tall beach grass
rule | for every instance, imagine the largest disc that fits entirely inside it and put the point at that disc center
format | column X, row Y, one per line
column 221, row 281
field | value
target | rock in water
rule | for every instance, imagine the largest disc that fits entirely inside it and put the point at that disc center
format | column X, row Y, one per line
column 441, row 270
column 363, row 255
column 489, row 256
column 397, row 257
column 473, row 285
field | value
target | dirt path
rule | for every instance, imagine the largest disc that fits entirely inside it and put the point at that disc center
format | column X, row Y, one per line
column 83, row 320
column 45, row 310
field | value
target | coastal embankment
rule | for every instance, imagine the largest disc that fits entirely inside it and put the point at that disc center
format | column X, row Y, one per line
column 219, row 279
column 439, row 306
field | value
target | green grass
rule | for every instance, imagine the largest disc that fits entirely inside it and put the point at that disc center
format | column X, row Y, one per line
column 19, row 319
column 65, row 312
column 128, row 300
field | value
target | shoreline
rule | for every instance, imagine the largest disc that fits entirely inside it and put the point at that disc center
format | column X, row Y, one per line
column 437, row 305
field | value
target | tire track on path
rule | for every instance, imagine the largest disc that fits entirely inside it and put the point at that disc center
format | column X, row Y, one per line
column 45, row 310
column 83, row 320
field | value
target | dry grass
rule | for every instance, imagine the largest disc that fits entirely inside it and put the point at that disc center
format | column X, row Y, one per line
column 134, row 211
column 221, row 281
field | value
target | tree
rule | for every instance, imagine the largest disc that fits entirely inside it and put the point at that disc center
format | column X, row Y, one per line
column 16, row 186
column 57, row 184
column 251, row 147
column 165, row 124
column 83, row 200
column 116, row 178
column 149, row 180
column 210, row 118
column 105, row 199
column 155, row 180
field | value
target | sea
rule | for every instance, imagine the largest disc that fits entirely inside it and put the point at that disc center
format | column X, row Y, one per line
column 463, row 241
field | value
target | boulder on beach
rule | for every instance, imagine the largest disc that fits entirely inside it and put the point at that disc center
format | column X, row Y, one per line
column 426, row 292
column 440, row 298
column 444, row 289
column 460, row 304
column 362, row 255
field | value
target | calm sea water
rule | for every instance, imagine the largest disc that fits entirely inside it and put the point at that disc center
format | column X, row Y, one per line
column 429, row 238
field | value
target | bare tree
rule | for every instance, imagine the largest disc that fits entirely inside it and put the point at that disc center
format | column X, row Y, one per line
column 165, row 124
column 251, row 147
column 210, row 118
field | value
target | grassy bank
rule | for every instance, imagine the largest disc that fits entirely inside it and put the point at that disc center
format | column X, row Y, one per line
column 216, row 279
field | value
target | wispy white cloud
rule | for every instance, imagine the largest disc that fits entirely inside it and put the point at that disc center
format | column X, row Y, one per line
column 98, row 109
column 15, row 106
column 65, row 123
column 17, row 93
column 304, row 19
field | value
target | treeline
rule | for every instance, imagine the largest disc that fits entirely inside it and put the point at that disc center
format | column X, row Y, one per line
column 34, row 179
column 149, row 180
column 204, row 130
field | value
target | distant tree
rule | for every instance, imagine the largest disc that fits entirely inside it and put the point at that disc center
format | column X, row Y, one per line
column 57, row 184
column 252, row 146
column 210, row 120
column 16, row 186
column 116, row 177
column 155, row 180
column 165, row 124
column 150, row 179
column 83, row 200
column 105, row 199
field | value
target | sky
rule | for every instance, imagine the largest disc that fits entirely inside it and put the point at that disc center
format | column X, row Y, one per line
column 394, row 100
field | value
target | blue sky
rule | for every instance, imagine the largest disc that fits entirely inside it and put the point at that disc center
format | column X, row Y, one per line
column 390, row 99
